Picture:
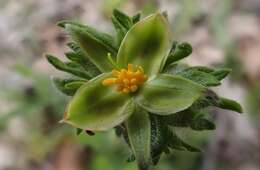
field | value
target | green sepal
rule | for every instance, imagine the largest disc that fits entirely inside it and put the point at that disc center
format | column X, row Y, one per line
column 61, row 85
column 58, row 64
column 139, row 133
column 94, row 43
column 96, row 107
column 146, row 44
column 178, row 52
column 229, row 104
column 168, row 94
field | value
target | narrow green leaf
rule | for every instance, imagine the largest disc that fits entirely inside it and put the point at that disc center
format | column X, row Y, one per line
column 81, row 57
column 120, row 29
column 160, row 137
column 139, row 132
column 74, row 57
column 202, row 124
column 209, row 98
column 64, row 67
column 178, row 144
column 181, row 51
column 95, row 44
column 180, row 119
column 221, row 73
column 61, row 85
column 230, row 105
column 73, row 64
column 123, row 19
column 202, row 69
column 105, row 39
column 202, row 78
column 74, row 85
column 167, row 94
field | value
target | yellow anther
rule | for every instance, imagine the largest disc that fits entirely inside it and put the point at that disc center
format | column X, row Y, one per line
column 133, row 81
column 109, row 81
column 115, row 72
column 125, row 90
column 127, row 80
column 133, row 88
column 130, row 67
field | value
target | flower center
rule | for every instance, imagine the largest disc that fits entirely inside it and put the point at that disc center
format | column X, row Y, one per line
column 127, row 80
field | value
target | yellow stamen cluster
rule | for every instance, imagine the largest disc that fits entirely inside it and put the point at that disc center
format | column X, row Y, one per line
column 127, row 80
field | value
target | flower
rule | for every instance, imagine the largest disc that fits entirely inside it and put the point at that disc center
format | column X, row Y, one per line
column 137, row 87
column 127, row 80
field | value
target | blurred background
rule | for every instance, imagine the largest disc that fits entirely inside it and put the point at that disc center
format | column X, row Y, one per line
column 222, row 33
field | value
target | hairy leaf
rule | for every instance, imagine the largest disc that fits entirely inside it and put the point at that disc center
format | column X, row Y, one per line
column 230, row 105
column 139, row 133
column 78, row 55
column 200, row 77
column 221, row 73
column 181, row 50
column 62, row 83
column 94, row 43
column 58, row 64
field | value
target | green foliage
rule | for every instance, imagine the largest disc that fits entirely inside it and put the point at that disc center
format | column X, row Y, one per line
column 175, row 96
column 228, row 104
column 64, row 85
column 139, row 133
column 78, row 56
column 200, row 77
column 163, row 139
column 178, row 52
column 67, row 67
